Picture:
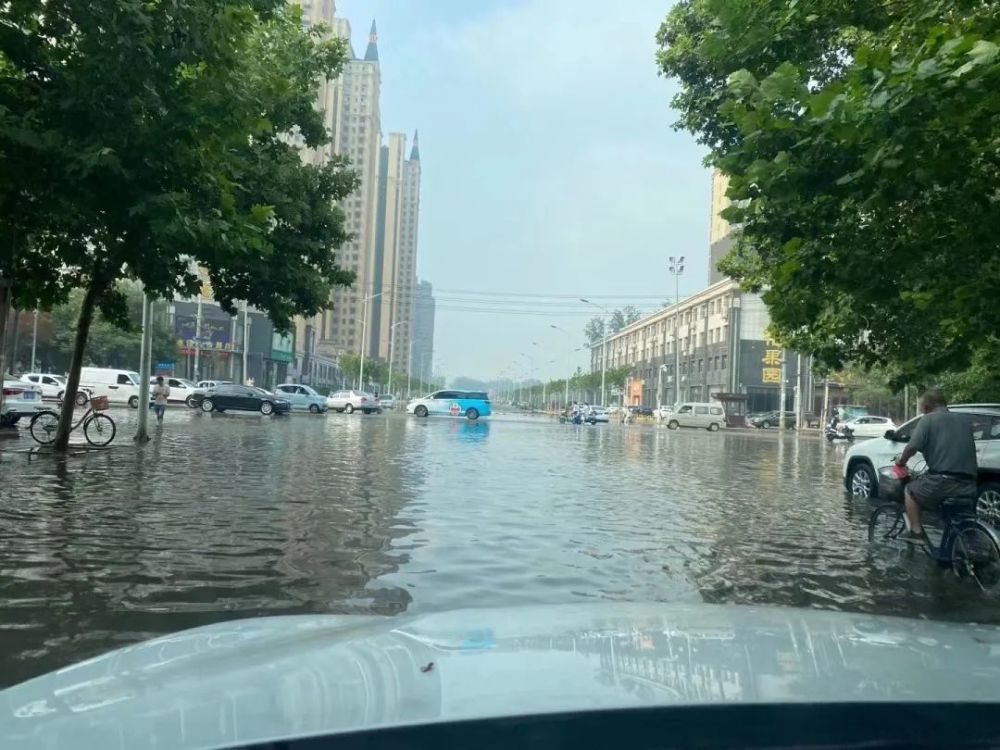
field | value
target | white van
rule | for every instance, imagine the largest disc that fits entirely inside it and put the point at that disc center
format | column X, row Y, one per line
column 709, row 417
column 120, row 386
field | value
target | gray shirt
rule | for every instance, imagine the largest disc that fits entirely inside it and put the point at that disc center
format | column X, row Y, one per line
column 945, row 440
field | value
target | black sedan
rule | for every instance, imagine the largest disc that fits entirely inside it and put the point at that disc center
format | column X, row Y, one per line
column 239, row 398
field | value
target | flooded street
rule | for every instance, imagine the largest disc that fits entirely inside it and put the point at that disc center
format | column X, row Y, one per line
column 225, row 516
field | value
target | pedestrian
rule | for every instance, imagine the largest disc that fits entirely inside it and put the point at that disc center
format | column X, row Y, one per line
column 161, row 392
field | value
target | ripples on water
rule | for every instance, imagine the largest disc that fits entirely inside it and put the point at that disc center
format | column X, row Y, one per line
column 236, row 516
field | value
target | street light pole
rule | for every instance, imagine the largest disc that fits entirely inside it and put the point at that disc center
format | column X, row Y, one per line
column 34, row 341
column 364, row 335
column 569, row 360
column 392, row 339
column 604, row 345
column 676, row 268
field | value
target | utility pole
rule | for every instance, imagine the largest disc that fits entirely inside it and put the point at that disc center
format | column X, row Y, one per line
column 826, row 401
column 246, row 340
column 676, row 268
column 781, row 395
column 798, row 392
column 392, row 342
column 34, row 341
column 232, row 354
column 145, row 367
column 604, row 344
column 364, row 335
column 197, row 336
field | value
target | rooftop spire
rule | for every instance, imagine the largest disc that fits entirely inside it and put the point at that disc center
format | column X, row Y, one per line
column 415, row 151
column 371, row 54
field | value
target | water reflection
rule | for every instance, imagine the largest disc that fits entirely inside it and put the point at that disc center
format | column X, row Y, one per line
column 227, row 516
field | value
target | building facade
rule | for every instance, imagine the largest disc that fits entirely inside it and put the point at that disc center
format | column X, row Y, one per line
column 712, row 343
column 423, row 332
column 404, row 300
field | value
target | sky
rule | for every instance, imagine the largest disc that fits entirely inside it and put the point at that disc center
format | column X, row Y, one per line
column 550, row 170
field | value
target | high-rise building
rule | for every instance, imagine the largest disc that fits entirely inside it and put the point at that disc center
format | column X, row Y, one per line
column 381, row 215
column 383, row 328
column 356, row 129
column 423, row 331
column 406, row 258
column 720, row 233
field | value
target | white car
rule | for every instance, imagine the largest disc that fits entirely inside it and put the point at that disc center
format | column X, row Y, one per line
column 181, row 389
column 868, row 427
column 596, row 414
column 20, row 399
column 350, row 401
column 387, row 401
column 864, row 461
column 53, row 386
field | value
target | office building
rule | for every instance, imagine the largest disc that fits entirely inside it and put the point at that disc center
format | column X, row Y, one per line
column 423, row 332
column 712, row 344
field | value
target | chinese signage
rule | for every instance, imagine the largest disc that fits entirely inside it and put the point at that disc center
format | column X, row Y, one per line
column 214, row 334
column 770, row 371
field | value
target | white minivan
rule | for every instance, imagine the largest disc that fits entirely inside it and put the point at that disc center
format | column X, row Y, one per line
column 120, row 386
column 709, row 417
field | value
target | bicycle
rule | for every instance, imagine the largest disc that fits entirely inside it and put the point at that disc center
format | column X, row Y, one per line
column 968, row 545
column 98, row 428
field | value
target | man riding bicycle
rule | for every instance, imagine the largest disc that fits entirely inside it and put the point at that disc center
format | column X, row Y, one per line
column 946, row 443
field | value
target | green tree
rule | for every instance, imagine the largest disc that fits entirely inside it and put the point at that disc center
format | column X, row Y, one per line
column 109, row 344
column 860, row 139
column 594, row 331
column 148, row 146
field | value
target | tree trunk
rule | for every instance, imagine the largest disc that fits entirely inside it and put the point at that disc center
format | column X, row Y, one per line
column 73, row 378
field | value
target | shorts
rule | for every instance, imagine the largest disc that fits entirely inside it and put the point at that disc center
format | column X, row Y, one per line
column 929, row 490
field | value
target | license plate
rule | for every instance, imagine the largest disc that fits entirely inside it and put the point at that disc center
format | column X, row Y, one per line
column 29, row 395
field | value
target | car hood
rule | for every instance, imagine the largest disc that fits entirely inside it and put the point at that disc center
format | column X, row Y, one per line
column 253, row 680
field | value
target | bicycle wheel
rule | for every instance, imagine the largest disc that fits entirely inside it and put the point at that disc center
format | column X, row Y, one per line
column 43, row 427
column 99, row 430
column 886, row 525
column 976, row 556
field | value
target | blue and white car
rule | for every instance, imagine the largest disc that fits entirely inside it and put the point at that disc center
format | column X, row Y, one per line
column 469, row 404
column 302, row 398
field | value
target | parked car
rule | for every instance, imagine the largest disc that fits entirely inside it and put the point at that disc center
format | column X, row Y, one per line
column 302, row 398
column 20, row 399
column 769, row 419
column 240, row 398
column 181, row 389
column 868, row 426
column 206, row 384
column 595, row 414
column 120, row 386
column 711, row 417
column 469, row 404
column 864, row 462
column 350, row 401
column 641, row 411
column 54, row 386
column 388, row 401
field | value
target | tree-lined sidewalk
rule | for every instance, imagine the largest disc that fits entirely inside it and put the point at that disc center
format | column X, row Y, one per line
column 141, row 140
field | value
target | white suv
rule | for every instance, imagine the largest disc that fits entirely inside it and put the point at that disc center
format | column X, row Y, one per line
column 53, row 386
column 864, row 461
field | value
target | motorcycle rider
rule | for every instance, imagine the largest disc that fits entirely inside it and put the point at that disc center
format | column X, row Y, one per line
column 945, row 440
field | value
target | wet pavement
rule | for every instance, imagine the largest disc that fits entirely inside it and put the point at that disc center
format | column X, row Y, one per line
column 225, row 516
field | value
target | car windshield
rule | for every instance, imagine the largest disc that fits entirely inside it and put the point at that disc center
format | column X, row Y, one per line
column 614, row 437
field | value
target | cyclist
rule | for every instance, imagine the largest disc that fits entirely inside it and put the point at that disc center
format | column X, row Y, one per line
column 945, row 440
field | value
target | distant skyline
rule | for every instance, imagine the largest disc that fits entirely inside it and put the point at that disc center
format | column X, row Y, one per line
column 550, row 167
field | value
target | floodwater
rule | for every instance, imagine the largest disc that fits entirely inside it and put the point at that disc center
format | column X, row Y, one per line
column 225, row 516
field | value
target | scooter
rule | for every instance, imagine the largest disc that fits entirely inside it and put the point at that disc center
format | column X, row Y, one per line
column 838, row 433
